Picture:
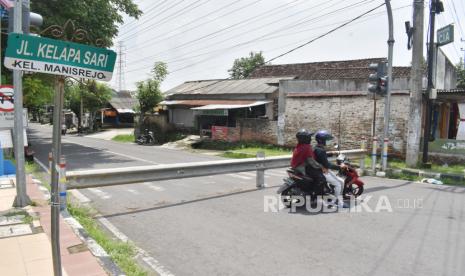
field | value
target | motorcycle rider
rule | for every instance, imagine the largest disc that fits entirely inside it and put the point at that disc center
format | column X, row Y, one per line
column 302, row 151
column 321, row 157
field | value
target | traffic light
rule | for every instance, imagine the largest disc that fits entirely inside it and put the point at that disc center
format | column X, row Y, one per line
column 378, row 80
column 28, row 19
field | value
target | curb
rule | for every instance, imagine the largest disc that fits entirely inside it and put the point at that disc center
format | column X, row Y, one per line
column 97, row 251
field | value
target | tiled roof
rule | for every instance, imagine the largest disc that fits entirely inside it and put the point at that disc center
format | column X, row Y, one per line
column 327, row 70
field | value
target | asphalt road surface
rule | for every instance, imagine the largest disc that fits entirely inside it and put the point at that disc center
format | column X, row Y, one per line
column 218, row 225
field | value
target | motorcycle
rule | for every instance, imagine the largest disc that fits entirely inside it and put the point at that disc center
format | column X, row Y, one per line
column 297, row 187
column 353, row 186
column 146, row 139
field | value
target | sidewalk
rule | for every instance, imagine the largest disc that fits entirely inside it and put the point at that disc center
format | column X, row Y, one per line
column 25, row 246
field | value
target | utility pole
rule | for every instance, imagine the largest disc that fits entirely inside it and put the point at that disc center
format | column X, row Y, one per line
column 387, row 103
column 436, row 7
column 416, row 82
column 22, row 198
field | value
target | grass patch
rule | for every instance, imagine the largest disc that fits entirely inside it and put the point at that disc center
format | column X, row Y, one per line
column 403, row 176
column 122, row 253
column 124, row 138
column 242, row 150
column 396, row 163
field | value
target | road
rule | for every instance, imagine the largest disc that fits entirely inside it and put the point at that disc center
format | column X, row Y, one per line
column 218, row 226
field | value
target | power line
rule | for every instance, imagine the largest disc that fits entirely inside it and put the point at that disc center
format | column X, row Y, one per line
column 292, row 25
column 164, row 19
column 248, row 20
column 229, row 13
column 300, row 46
column 160, row 37
column 226, row 49
column 454, row 12
column 367, row 18
column 147, row 12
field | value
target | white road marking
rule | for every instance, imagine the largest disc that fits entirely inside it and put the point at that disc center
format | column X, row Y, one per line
column 79, row 196
column 150, row 261
column 276, row 173
column 45, row 168
column 99, row 193
column 131, row 157
column 239, row 176
column 153, row 187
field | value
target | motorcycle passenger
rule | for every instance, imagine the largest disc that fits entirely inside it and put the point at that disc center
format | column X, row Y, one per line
column 302, row 151
column 321, row 157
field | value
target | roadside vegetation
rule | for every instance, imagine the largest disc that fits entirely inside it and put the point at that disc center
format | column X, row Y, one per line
column 242, row 150
column 122, row 253
column 400, row 164
column 124, row 138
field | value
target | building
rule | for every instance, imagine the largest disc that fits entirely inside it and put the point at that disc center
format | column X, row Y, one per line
column 333, row 96
column 230, row 109
column 120, row 110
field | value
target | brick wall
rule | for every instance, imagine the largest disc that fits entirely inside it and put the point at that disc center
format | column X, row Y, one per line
column 253, row 130
column 356, row 115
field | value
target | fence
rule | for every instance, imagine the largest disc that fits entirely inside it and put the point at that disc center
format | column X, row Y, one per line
column 121, row 176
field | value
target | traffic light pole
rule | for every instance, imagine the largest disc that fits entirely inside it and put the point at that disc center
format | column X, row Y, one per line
column 427, row 129
column 387, row 105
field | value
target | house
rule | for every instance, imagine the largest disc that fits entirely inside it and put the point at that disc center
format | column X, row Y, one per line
column 119, row 110
column 333, row 95
column 231, row 109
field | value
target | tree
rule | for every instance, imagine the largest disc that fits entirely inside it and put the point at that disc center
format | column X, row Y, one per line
column 244, row 66
column 460, row 75
column 38, row 92
column 148, row 91
column 95, row 95
column 100, row 18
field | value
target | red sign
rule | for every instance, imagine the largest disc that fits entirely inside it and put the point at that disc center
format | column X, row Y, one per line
column 219, row 133
column 6, row 98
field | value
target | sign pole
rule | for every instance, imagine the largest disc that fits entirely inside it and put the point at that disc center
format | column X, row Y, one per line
column 21, row 199
column 56, row 153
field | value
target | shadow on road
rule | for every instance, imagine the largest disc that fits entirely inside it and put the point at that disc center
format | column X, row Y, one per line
column 164, row 205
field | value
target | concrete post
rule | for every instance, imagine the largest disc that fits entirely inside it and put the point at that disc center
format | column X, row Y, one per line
column 22, row 198
column 260, row 178
column 50, row 158
column 373, row 154
column 414, row 122
column 362, row 160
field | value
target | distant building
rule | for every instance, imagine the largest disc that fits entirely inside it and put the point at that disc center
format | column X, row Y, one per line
column 120, row 110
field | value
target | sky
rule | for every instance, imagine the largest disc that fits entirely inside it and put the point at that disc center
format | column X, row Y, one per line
column 200, row 39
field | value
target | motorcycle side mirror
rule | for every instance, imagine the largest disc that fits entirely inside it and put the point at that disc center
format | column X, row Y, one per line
column 336, row 146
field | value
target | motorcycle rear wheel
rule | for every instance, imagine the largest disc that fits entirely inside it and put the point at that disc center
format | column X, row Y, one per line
column 357, row 190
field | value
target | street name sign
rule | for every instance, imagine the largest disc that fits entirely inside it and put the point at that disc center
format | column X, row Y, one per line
column 445, row 35
column 57, row 57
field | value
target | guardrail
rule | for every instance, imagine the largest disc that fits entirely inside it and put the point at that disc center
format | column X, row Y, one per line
column 120, row 176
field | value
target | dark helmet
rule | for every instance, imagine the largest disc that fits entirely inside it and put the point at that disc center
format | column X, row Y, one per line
column 304, row 136
column 322, row 136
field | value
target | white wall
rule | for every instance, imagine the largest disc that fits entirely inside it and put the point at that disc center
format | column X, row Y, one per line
column 182, row 117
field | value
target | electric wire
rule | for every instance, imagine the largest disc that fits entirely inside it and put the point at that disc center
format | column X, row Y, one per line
column 170, row 17
column 299, row 46
column 292, row 25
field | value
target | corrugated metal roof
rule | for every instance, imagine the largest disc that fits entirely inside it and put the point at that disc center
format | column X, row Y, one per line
column 205, row 102
column 242, row 86
column 229, row 106
column 123, row 101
